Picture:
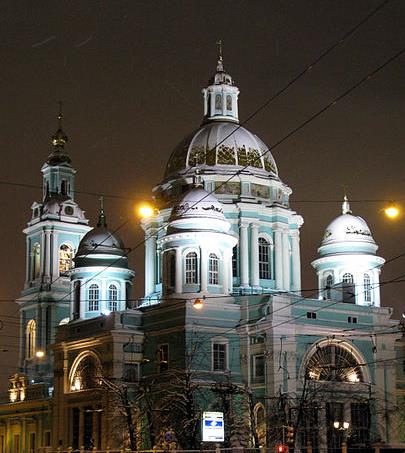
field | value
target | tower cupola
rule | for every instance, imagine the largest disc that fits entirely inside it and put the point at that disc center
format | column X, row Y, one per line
column 221, row 96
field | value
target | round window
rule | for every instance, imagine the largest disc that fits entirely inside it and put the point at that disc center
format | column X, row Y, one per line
column 68, row 210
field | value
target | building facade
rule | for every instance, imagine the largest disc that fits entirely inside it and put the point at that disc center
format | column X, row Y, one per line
column 223, row 325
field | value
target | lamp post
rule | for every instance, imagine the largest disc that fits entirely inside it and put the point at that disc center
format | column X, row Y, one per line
column 342, row 427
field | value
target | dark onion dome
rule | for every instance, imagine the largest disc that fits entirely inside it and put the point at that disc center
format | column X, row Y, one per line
column 59, row 139
column 238, row 148
column 101, row 247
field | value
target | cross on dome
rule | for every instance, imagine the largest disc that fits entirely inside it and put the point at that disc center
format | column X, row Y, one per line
column 346, row 206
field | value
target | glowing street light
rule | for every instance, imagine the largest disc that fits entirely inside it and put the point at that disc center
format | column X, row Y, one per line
column 198, row 304
column 391, row 211
column 146, row 211
column 40, row 354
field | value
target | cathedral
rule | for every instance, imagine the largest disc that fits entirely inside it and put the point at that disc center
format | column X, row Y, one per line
column 222, row 327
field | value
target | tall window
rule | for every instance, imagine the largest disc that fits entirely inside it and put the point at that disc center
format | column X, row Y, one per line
column 264, row 259
column 36, row 261
column 113, row 298
column 213, row 269
column 163, row 357
column 30, row 337
column 329, row 282
column 65, row 258
column 171, row 268
column 219, row 356
column 218, row 102
column 367, row 288
column 94, row 296
column 235, row 261
column 191, row 268
column 348, row 279
column 229, row 102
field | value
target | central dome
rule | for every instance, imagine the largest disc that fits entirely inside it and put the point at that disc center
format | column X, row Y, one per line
column 222, row 143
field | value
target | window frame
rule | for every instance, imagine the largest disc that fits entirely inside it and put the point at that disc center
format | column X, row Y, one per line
column 214, row 359
column 264, row 248
column 191, row 268
column 255, row 357
column 93, row 302
column 368, row 295
column 213, row 269
column 110, row 299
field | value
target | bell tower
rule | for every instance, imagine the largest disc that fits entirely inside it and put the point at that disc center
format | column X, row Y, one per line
column 53, row 234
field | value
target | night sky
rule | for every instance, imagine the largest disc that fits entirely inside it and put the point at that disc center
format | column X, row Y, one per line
column 130, row 75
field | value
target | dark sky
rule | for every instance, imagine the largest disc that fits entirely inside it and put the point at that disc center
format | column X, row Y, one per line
column 130, row 74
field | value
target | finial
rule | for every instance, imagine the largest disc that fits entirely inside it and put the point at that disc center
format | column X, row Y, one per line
column 59, row 139
column 346, row 206
column 197, row 180
column 220, row 65
column 102, row 222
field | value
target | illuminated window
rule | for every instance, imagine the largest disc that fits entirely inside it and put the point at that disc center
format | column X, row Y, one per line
column 94, row 295
column 229, row 102
column 65, row 259
column 87, row 373
column 191, row 268
column 36, row 261
column 113, row 298
column 218, row 102
column 367, row 288
column 329, row 282
column 213, row 269
column 348, row 279
column 219, row 358
column 30, row 338
column 264, row 259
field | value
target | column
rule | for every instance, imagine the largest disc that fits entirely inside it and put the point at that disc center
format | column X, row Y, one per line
column 28, row 260
column 203, row 270
column 81, row 427
column 150, row 262
column 83, row 298
column 286, row 261
column 178, row 288
column 278, row 259
column 323, row 430
column 254, row 255
column 95, row 433
column 47, row 254
column 244, row 256
column 375, row 287
column 296, row 262
column 225, row 272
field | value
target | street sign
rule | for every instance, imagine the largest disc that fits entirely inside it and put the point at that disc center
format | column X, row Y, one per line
column 213, row 427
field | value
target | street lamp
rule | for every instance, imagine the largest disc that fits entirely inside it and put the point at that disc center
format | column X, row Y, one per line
column 146, row 211
column 341, row 426
column 392, row 211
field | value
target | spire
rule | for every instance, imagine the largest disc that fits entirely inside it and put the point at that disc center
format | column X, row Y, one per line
column 59, row 138
column 102, row 222
column 220, row 64
column 346, row 206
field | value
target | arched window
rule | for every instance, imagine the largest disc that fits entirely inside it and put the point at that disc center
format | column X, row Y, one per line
column 334, row 363
column 171, row 268
column 86, row 374
column 348, row 279
column 218, row 102
column 36, row 261
column 260, row 423
column 65, row 258
column 30, row 338
column 94, row 295
column 113, row 298
column 264, row 259
column 367, row 288
column 191, row 268
column 213, row 269
column 229, row 102
column 328, row 286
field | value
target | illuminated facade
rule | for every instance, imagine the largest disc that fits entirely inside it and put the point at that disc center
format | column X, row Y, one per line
column 224, row 236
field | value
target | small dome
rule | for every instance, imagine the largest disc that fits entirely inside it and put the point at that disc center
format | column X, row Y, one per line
column 222, row 143
column 348, row 233
column 198, row 203
column 100, row 241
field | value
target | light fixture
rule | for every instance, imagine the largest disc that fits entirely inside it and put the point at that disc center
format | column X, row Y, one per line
column 146, row 211
column 392, row 210
column 346, row 425
column 198, row 304
column 336, row 424
column 40, row 354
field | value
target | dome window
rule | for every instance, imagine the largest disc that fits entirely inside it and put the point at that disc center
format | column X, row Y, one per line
column 348, row 279
column 328, row 286
column 191, row 273
column 229, row 103
column 113, row 298
column 94, row 297
column 213, row 266
column 218, row 102
column 264, row 259
column 367, row 288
